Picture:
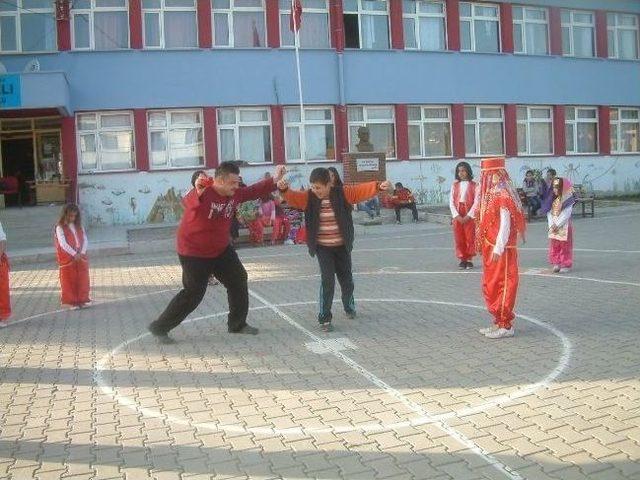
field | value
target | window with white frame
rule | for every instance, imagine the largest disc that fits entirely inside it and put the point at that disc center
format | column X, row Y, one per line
column 535, row 130
column 239, row 23
column 314, row 33
column 175, row 138
column 245, row 134
column 105, row 141
column 380, row 120
column 578, row 33
column 531, row 30
column 429, row 131
column 424, row 25
column 27, row 26
column 484, row 130
column 100, row 24
column 479, row 27
column 366, row 24
column 622, row 32
column 581, row 129
column 170, row 24
column 311, row 140
column 625, row 130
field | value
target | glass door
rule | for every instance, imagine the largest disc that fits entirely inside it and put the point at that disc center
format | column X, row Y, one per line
column 48, row 157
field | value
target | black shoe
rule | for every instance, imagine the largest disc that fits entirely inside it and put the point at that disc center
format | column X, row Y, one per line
column 326, row 327
column 247, row 330
column 462, row 265
column 469, row 265
column 161, row 338
column 351, row 314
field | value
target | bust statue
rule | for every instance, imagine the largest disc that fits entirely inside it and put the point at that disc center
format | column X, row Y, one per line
column 364, row 145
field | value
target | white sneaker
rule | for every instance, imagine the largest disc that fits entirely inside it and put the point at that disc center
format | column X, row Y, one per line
column 564, row 270
column 556, row 269
column 501, row 333
column 75, row 307
column 4, row 323
column 485, row 330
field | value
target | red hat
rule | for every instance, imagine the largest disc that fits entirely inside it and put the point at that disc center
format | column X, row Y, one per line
column 493, row 163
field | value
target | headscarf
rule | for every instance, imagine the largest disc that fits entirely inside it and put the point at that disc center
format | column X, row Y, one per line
column 497, row 191
column 566, row 199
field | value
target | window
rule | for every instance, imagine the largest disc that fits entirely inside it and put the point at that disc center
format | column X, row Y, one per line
column 479, row 27
column 625, row 130
column 424, row 25
column 530, row 30
column 100, row 24
column 175, row 138
column 366, row 24
column 535, row 131
column 314, row 33
column 245, row 134
column 312, row 140
column 483, row 130
column 239, row 23
column 578, row 33
column 27, row 26
column 622, row 32
column 381, row 123
column 170, row 24
column 105, row 141
column 429, row 132
column 581, row 129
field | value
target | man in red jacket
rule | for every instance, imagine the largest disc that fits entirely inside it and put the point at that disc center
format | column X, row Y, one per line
column 204, row 248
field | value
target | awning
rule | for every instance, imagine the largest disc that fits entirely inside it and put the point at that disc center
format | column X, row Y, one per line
column 34, row 91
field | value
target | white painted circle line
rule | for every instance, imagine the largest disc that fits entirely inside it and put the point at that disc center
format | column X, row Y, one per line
column 439, row 421
column 501, row 400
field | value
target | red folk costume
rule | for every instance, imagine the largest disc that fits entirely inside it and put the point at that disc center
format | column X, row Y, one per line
column 5, row 299
column 501, row 221
column 464, row 234
column 74, row 274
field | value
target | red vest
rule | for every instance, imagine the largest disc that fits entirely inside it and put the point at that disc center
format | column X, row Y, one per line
column 63, row 256
column 469, row 196
column 493, row 227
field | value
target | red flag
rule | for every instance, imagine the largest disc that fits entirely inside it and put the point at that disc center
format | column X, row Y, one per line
column 295, row 17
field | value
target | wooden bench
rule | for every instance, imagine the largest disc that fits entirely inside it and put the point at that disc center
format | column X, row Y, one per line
column 584, row 198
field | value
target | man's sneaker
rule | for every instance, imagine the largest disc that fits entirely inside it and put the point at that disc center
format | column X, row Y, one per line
column 326, row 327
column 556, row 269
column 469, row 265
column 398, row 222
column 485, row 330
column 501, row 333
column 564, row 270
column 247, row 330
column 351, row 314
column 462, row 265
column 161, row 338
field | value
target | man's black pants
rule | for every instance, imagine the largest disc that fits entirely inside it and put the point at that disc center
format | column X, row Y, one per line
column 228, row 269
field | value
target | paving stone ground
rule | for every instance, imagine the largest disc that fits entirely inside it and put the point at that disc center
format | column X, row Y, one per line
column 408, row 390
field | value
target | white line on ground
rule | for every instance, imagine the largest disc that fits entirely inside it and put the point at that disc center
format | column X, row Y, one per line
column 423, row 418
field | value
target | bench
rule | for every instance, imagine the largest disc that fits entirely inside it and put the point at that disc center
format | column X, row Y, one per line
column 584, row 198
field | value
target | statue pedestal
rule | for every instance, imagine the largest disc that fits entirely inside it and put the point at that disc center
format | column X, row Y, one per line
column 364, row 167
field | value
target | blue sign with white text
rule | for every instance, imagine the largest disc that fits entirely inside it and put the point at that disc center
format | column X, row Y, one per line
column 10, row 94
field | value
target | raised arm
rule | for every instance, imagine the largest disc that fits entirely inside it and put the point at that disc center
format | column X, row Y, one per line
column 360, row 192
column 257, row 190
column 296, row 198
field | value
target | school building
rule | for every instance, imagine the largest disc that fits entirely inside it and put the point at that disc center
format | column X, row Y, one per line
column 113, row 103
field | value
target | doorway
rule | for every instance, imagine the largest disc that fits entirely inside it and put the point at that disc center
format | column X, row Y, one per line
column 17, row 161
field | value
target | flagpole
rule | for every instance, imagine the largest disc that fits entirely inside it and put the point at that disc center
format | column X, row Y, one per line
column 300, row 100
